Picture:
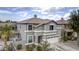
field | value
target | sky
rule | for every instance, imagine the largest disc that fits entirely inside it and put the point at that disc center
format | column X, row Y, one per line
column 22, row 13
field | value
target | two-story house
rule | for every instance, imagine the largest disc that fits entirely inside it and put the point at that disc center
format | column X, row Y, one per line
column 36, row 30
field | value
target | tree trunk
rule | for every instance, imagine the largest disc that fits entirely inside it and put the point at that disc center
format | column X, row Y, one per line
column 78, row 39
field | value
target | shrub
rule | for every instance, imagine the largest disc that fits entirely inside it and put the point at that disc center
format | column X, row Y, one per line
column 39, row 48
column 44, row 46
column 33, row 45
column 29, row 48
column 10, row 47
column 19, row 46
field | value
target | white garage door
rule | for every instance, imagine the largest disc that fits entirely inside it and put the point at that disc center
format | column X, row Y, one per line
column 53, row 40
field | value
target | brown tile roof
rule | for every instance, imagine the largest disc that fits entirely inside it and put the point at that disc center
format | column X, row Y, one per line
column 62, row 21
column 43, row 21
column 35, row 21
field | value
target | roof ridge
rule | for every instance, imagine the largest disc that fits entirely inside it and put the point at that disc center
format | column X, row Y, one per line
column 35, row 20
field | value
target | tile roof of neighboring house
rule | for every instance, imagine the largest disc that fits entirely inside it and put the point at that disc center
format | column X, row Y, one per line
column 62, row 21
column 35, row 21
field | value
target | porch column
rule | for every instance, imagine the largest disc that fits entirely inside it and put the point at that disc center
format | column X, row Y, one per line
column 35, row 38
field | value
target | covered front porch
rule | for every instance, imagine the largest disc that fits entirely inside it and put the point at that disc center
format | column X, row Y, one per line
column 40, row 36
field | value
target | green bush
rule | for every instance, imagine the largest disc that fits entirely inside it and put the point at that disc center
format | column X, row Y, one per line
column 39, row 48
column 29, row 48
column 10, row 47
column 19, row 46
column 33, row 45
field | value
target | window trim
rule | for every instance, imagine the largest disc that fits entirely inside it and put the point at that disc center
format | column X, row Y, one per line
column 50, row 26
column 28, row 26
column 28, row 38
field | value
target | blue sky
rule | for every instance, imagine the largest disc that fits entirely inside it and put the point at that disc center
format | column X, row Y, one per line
column 22, row 13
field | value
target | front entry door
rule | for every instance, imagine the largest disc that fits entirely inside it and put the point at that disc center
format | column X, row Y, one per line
column 39, row 39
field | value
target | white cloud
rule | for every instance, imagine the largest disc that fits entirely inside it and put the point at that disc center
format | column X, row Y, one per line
column 44, row 12
column 44, row 8
column 27, row 17
column 66, row 16
column 14, row 9
column 40, row 11
column 52, row 17
column 22, row 14
column 49, row 10
column 36, row 10
column 55, row 17
column 5, row 11
column 60, row 12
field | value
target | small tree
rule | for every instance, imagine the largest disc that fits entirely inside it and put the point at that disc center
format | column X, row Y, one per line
column 5, row 34
column 74, row 22
column 44, row 46
column 19, row 46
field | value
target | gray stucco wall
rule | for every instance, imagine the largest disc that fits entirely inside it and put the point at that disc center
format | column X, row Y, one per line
column 23, row 28
column 40, row 27
column 46, row 26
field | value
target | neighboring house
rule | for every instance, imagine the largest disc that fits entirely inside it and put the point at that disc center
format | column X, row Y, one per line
column 65, row 28
column 36, row 30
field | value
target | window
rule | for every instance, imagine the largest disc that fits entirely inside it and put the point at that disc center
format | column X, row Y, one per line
column 29, row 27
column 69, row 33
column 51, row 27
column 39, row 39
column 30, row 39
column 20, row 26
column 14, row 28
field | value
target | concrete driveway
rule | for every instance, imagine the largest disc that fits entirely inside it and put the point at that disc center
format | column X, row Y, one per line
column 67, row 46
column 72, row 44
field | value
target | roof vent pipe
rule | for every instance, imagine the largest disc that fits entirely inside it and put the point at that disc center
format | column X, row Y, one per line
column 35, row 16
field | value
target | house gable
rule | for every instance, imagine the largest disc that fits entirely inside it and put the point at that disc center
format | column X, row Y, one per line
column 45, row 26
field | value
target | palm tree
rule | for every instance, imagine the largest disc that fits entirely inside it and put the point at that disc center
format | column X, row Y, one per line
column 5, row 34
column 74, row 22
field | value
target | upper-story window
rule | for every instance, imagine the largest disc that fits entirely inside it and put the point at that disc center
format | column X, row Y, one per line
column 14, row 28
column 51, row 27
column 29, row 27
